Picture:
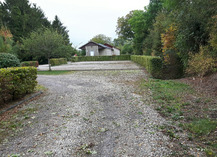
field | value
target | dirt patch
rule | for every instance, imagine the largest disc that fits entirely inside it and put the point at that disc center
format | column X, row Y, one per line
column 206, row 85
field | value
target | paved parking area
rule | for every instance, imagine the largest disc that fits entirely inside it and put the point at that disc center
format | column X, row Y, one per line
column 94, row 65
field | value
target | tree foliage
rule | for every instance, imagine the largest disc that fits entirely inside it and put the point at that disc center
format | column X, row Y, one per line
column 102, row 39
column 46, row 43
column 6, row 41
column 22, row 18
column 172, row 29
column 58, row 26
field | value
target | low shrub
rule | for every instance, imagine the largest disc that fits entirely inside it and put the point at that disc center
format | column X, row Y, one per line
column 8, row 60
column 58, row 61
column 30, row 63
column 16, row 82
column 100, row 58
column 152, row 64
column 201, row 64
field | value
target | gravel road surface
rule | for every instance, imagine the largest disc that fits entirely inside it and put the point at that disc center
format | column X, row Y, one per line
column 90, row 113
column 93, row 65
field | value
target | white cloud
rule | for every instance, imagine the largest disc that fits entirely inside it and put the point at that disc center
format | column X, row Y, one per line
column 87, row 18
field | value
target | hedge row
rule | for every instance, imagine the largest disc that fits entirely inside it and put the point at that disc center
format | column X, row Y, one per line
column 29, row 63
column 16, row 82
column 58, row 61
column 153, row 65
column 100, row 58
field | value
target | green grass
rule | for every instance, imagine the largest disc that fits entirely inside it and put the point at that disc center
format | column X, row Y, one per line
column 59, row 72
column 168, row 94
column 202, row 126
column 171, row 101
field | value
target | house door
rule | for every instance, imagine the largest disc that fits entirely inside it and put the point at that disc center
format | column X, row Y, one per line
column 91, row 53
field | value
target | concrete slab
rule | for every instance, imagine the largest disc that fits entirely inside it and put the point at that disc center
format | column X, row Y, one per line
column 93, row 66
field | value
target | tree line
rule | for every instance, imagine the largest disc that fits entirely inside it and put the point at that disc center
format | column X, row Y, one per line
column 21, row 23
column 176, row 30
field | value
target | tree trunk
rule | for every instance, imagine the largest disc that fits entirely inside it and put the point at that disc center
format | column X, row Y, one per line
column 49, row 64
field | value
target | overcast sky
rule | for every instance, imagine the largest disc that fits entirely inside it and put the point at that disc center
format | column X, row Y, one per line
column 86, row 18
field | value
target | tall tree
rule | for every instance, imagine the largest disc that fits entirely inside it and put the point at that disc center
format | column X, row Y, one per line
column 137, row 25
column 58, row 26
column 22, row 18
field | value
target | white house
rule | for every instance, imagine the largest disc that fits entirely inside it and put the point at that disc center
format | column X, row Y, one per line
column 96, row 49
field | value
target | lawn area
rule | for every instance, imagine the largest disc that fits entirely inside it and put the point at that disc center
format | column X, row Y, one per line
column 59, row 72
column 188, row 109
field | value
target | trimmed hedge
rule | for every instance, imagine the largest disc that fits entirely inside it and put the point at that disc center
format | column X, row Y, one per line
column 58, row 61
column 16, row 82
column 158, row 69
column 8, row 60
column 30, row 63
column 154, row 65
column 100, row 58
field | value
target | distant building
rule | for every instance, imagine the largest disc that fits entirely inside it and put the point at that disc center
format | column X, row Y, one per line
column 96, row 49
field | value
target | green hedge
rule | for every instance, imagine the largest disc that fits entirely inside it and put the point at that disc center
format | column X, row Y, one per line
column 8, row 60
column 58, row 61
column 16, row 82
column 100, row 58
column 153, row 65
column 29, row 63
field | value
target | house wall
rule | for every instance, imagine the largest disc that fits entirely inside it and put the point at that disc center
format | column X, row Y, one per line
column 109, row 52
column 105, row 52
column 92, row 48
column 117, row 52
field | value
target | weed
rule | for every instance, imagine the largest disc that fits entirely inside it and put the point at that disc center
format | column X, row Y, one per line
column 15, row 155
column 48, row 153
column 85, row 119
column 210, row 153
column 86, row 149
column 103, row 130
column 140, row 113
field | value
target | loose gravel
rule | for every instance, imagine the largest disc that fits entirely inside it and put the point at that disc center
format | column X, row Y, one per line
column 90, row 113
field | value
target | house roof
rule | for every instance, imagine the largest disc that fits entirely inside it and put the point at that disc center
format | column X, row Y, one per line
column 91, row 43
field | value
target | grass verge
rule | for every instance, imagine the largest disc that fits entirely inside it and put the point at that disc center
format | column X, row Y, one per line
column 59, row 72
column 187, row 108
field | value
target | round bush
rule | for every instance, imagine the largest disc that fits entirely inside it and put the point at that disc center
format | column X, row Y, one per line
column 8, row 60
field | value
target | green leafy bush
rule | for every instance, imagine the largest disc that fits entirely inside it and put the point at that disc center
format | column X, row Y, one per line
column 58, row 61
column 152, row 64
column 16, row 82
column 29, row 63
column 8, row 60
column 100, row 58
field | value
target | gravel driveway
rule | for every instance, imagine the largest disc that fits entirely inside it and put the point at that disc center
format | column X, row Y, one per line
column 94, row 65
column 90, row 113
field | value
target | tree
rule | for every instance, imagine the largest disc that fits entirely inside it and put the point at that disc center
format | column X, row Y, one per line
column 58, row 26
column 123, row 28
column 102, row 39
column 22, row 18
column 44, row 43
column 6, row 41
column 127, row 48
column 137, row 24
